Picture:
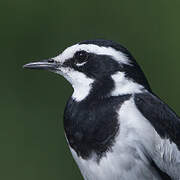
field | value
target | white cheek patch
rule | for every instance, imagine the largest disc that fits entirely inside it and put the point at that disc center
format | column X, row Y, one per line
column 95, row 49
column 80, row 82
column 124, row 85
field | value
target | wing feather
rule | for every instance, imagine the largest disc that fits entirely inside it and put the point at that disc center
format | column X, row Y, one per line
column 167, row 124
column 163, row 119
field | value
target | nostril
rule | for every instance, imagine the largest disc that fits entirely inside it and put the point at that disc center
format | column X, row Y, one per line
column 50, row 60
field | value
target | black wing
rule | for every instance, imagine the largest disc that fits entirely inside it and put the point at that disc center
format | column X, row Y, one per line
column 163, row 119
column 165, row 122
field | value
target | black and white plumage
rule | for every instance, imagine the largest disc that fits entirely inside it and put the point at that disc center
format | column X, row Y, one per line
column 115, row 126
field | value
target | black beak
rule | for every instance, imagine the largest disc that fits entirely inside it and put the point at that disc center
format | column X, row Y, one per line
column 48, row 64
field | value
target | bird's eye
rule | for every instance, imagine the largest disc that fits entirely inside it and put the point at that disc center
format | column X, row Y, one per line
column 81, row 56
column 50, row 60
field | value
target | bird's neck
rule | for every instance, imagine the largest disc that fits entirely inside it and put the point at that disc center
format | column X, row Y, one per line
column 115, row 85
column 92, row 89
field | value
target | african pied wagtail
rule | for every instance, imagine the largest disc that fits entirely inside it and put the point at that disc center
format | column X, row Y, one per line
column 116, row 128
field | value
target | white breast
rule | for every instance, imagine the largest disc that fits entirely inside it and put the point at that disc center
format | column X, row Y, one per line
column 128, row 158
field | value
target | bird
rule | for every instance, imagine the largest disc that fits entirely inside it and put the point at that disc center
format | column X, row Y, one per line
column 116, row 127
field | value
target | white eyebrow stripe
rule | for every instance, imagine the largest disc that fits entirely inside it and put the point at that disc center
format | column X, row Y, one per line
column 92, row 48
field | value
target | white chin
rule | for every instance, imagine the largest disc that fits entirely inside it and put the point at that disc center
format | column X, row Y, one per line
column 80, row 82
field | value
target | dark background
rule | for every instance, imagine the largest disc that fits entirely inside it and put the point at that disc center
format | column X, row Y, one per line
column 33, row 145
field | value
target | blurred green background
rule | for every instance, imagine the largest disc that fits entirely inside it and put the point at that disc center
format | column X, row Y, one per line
column 32, row 140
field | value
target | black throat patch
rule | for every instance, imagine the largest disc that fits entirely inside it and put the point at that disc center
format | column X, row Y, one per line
column 92, row 125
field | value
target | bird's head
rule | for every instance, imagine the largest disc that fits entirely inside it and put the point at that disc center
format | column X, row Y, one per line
column 97, row 68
